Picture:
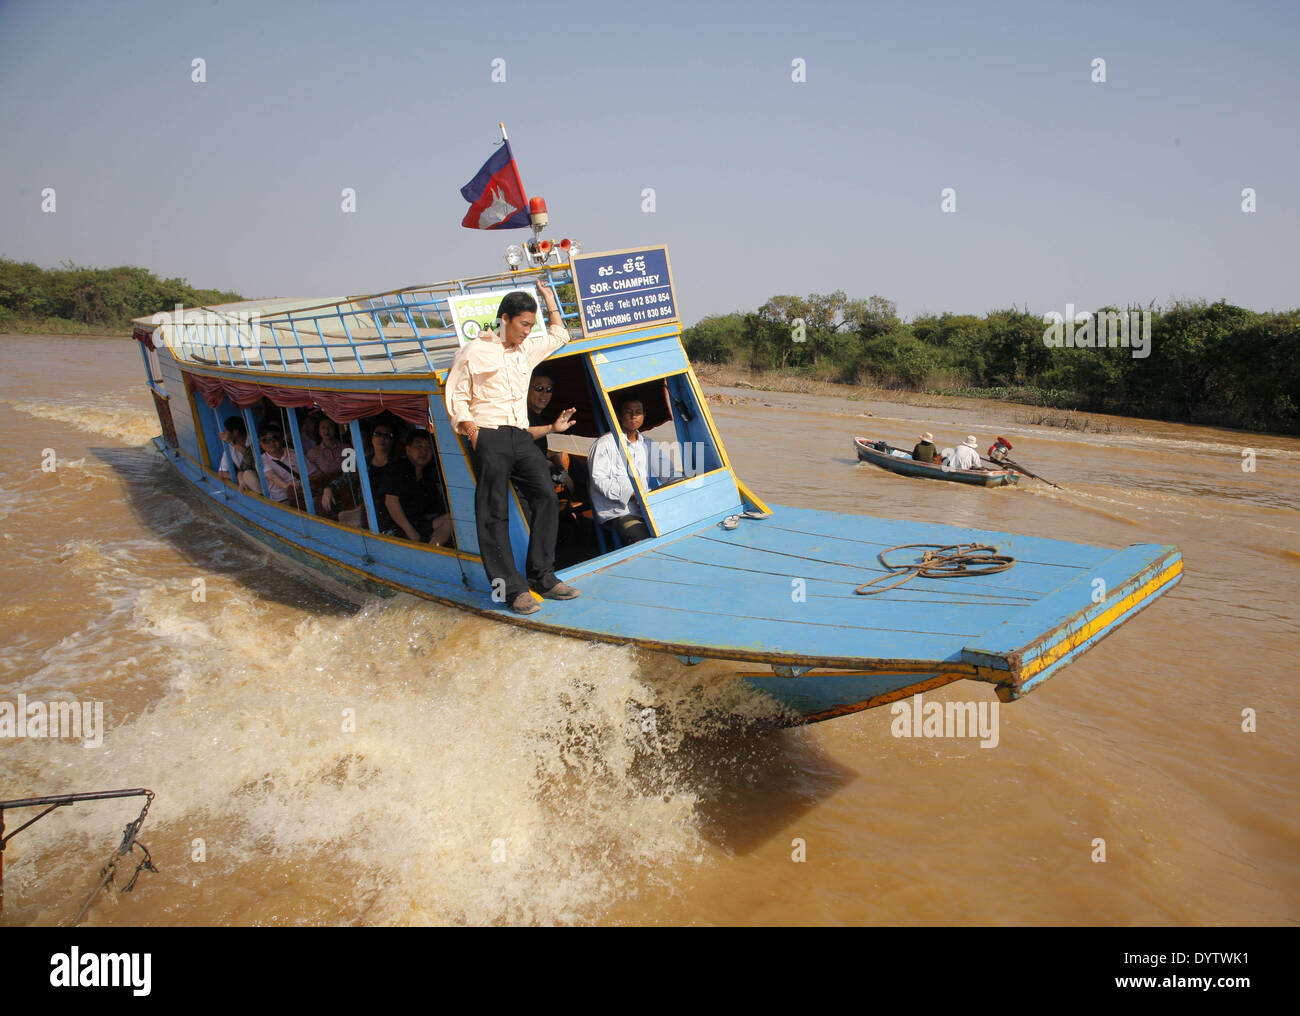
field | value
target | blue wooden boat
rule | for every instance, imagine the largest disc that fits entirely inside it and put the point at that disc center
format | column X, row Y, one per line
column 771, row 589
column 896, row 460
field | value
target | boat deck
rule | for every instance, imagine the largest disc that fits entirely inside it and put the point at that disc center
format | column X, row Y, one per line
column 782, row 591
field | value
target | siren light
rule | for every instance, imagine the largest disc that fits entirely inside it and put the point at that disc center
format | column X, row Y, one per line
column 537, row 212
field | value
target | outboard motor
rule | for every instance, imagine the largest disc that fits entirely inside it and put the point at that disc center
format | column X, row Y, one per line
column 999, row 448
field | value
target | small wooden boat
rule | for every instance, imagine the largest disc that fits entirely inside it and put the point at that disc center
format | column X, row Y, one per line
column 723, row 576
column 896, row 460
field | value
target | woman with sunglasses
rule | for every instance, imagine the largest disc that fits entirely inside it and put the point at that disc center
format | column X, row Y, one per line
column 383, row 440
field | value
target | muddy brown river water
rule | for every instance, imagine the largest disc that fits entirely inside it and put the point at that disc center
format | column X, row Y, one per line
column 495, row 776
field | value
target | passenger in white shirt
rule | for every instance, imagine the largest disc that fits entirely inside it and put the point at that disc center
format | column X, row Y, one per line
column 965, row 456
column 613, row 494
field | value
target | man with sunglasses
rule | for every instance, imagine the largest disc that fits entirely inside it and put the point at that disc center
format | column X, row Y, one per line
column 539, row 399
column 279, row 468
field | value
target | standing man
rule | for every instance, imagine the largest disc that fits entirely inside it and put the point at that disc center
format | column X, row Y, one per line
column 487, row 398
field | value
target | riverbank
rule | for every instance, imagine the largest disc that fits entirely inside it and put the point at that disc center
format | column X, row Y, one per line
column 725, row 376
column 65, row 329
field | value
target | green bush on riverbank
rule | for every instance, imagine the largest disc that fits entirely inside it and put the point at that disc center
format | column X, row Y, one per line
column 1207, row 363
column 75, row 299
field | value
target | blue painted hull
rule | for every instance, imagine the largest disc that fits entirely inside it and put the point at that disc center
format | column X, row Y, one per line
column 776, row 593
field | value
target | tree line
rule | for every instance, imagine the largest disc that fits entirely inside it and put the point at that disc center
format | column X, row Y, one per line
column 73, row 298
column 1210, row 363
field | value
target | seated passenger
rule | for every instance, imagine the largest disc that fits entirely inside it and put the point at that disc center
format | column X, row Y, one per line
column 613, row 494
column 542, row 423
column 413, row 495
column 309, row 429
column 237, row 457
column 379, row 463
column 965, row 456
column 327, row 457
column 280, row 468
column 925, row 451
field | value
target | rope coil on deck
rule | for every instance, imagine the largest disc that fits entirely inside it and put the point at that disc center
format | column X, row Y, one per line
column 950, row 561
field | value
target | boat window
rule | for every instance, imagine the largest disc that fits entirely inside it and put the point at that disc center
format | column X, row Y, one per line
column 678, row 427
column 682, row 439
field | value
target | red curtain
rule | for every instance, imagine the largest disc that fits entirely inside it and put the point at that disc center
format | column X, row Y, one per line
column 341, row 407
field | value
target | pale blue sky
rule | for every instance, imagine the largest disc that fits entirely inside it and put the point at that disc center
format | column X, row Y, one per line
column 1067, row 191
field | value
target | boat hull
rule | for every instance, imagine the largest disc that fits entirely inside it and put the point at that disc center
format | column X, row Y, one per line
column 898, row 461
column 775, row 598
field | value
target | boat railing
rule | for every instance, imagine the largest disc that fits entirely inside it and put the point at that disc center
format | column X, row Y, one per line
column 408, row 329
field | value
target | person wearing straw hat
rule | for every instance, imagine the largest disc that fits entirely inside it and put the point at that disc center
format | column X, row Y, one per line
column 966, row 455
column 925, row 451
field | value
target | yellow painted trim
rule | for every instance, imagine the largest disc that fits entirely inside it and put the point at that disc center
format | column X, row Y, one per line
column 694, row 382
column 188, row 457
column 641, row 491
column 281, row 506
column 938, row 681
column 749, row 496
column 958, row 671
column 697, row 476
column 1075, row 639
column 622, row 333
column 209, row 370
column 198, row 428
column 676, row 331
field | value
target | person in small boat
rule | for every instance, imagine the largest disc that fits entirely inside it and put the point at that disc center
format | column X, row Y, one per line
column 280, row 469
column 925, row 451
column 966, row 455
column 613, row 495
column 539, row 426
column 413, row 495
column 487, row 399
column 237, row 456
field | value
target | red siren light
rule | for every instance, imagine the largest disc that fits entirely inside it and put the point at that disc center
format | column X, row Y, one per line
column 537, row 212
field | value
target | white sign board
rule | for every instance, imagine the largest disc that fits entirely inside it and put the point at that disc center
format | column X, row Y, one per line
column 474, row 313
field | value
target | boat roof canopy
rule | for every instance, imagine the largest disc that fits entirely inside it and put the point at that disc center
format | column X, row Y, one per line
column 405, row 331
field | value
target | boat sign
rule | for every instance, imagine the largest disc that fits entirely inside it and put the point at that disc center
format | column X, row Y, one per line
column 624, row 289
column 474, row 313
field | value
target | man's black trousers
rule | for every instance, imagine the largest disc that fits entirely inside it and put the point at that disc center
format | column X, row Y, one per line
column 508, row 454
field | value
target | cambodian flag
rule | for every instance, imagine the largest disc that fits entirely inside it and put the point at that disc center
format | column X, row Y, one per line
column 496, row 195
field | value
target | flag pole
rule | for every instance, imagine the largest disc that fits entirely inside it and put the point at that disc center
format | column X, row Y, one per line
column 518, row 179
